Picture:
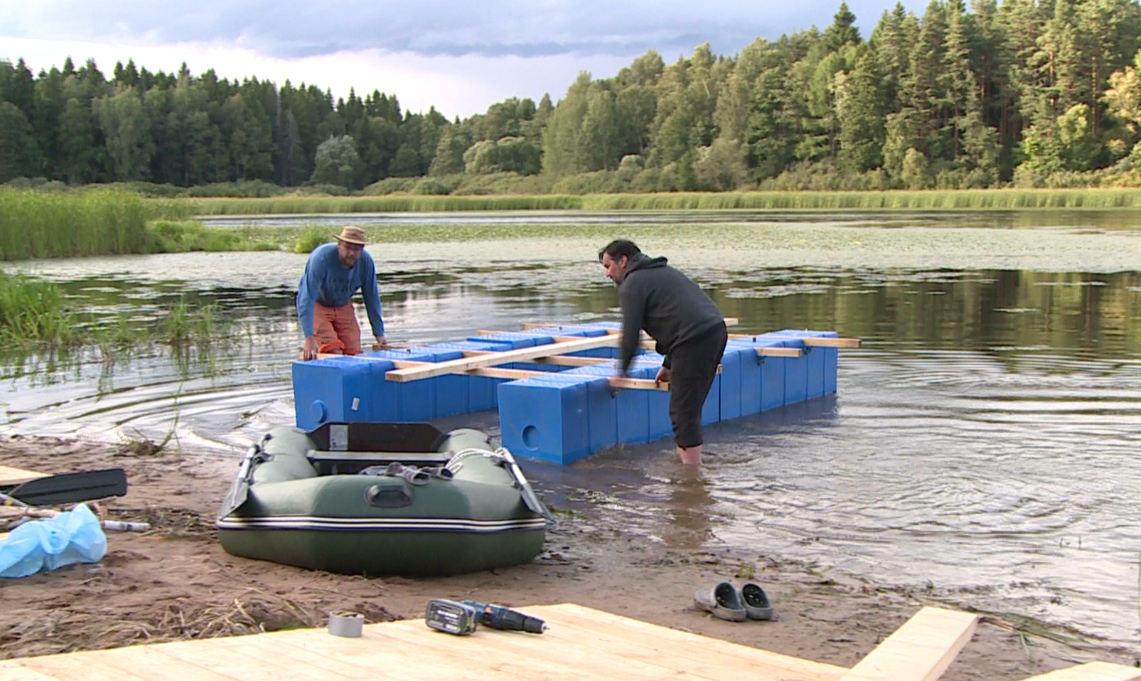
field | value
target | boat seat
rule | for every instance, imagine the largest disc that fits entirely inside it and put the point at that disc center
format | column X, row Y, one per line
column 339, row 463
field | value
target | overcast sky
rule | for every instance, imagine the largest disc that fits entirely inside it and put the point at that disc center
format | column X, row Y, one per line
column 459, row 56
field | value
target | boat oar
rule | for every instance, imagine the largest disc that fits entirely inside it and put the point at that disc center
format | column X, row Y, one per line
column 70, row 488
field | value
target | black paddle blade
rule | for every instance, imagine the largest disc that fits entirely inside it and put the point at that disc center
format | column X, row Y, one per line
column 68, row 488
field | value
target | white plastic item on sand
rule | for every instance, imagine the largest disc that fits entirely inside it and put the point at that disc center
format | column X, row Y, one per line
column 42, row 545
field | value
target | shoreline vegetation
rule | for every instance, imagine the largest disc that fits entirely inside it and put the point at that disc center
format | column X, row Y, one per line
column 933, row 200
column 36, row 315
column 55, row 221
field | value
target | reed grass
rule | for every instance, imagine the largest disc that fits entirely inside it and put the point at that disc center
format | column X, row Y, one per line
column 968, row 199
column 184, row 326
column 33, row 312
column 301, row 205
column 971, row 199
column 35, row 224
column 309, row 238
column 181, row 236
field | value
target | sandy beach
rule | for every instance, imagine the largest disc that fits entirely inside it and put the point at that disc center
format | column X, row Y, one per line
column 175, row 582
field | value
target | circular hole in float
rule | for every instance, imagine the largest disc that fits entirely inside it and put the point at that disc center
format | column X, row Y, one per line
column 531, row 437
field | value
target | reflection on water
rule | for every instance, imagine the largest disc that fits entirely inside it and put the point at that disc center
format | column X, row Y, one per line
column 983, row 441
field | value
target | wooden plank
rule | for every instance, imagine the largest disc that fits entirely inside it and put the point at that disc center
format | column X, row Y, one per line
column 920, row 650
column 820, row 342
column 16, row 476
column 78, row 667
column 566, row 360
column 12, row 670
column 151, row 663
column 780, row 352
column 236, row 662
column 639, row 384
column 679, row 650
column 264, row 647
column 529, row 326
column 509, row 654
column 375, row 652
column 496, row 372
column 1092, row 671
column 522, row 354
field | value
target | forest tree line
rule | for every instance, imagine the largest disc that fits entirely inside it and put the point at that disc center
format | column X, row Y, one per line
column 1030, row 92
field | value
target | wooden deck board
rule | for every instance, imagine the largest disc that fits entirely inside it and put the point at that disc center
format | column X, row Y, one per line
column 920, row 650
column 245, row 662
column 639, row 640
column 12, row 670
column 581, row 645
column 550, row 656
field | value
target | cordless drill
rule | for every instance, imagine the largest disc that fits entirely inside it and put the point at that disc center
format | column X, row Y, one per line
column 506, row 619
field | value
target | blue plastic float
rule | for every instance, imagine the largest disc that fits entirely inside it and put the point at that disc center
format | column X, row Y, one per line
column 557, row 412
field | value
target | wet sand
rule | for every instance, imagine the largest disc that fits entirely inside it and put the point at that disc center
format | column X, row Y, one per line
column 175, row 582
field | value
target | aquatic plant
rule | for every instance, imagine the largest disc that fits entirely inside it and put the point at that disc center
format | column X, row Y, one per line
column 183, row 326
column 974, row 199
column 311, row 237
column 180, row 236
column 33, row 311
column 53, row 224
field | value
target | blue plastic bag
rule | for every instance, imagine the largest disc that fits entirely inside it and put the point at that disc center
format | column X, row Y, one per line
column 75, row 536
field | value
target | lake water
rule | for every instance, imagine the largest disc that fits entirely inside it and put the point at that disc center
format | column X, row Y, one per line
column 983, row 443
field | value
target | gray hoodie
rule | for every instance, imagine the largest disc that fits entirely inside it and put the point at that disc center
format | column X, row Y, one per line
column 664, row 302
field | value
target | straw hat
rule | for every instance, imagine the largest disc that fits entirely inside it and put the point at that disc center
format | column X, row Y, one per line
column 352, row 235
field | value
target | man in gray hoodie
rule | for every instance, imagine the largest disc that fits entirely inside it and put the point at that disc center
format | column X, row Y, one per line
column 687, row 326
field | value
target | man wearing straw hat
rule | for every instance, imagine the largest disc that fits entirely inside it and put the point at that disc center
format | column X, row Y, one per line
column 325, row 296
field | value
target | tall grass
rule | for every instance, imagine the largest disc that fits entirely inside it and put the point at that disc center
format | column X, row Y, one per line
column 181, row 236
column 969, row 199
column 295, row 205
column 36, row 224
column 311, row 237
column 33, row 312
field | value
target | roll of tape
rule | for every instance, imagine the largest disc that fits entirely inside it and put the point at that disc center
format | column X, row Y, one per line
column 347, row 624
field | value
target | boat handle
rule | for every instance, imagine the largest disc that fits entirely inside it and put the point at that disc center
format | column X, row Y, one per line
column 389, row 496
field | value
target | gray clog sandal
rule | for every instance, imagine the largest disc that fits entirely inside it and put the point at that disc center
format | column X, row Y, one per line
column 757, row 605
column 723, row 601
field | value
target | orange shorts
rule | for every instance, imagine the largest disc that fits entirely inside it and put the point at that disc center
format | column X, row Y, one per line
column 337, row 329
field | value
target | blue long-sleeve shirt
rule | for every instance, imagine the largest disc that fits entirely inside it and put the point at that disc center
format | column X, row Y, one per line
column 326, row 281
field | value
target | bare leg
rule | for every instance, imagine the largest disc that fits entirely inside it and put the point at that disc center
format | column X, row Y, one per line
column 690, row 456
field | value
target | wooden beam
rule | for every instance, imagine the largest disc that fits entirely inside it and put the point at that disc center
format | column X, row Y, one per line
column 816, row 341
column 920, row 650
column 1092, row 671
column 639, row 384
column 780, row 352
column 522, row 354
column 567, row 361
column 496, row 372
column 824, row 342
column 530, row 326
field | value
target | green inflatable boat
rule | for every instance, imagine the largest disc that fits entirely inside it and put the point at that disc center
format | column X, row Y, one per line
column 382, row 499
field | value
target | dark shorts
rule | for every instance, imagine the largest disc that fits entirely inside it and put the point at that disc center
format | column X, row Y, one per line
column 693, row 366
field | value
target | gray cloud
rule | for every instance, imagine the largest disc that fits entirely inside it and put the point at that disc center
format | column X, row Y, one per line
column 493, row 28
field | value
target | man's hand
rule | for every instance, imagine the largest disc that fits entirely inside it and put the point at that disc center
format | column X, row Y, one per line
column 381, row 342
column 309, row 351
column 662, row 377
